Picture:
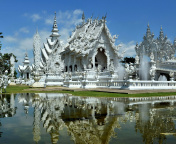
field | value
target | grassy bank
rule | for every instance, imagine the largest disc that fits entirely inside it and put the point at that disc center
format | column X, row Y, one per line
column 26, row 89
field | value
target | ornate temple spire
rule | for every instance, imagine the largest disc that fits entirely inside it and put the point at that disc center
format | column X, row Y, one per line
column 161, row 36
column 55, row 30
column 36, row 49
column 148, row 33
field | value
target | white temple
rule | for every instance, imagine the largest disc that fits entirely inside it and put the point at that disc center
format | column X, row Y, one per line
column 91, row 59
column 26, row 69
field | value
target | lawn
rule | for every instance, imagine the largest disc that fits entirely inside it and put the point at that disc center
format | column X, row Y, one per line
column 26, row 89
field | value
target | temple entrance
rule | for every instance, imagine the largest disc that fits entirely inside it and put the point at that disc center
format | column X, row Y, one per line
column 101, row 59
column 27, row 75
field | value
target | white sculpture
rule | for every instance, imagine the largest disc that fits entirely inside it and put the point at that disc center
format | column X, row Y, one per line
column 152, row 57
column 171, row 74
column 130, row 69
column 111, row 67
column 12, row 68
column 153, row 71
column 137, row 59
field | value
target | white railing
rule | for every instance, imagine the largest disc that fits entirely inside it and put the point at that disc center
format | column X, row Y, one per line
column 91, row 79
column 122, row 84
column 137, row 85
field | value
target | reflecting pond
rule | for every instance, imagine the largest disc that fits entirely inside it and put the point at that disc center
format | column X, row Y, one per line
column 65, row 119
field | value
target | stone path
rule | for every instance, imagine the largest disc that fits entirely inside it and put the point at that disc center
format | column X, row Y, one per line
column 99, row 90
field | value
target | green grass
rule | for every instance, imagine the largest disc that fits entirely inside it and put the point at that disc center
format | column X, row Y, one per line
column 21, row 88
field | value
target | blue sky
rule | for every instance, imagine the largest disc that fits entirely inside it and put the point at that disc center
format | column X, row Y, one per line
column 126, row 18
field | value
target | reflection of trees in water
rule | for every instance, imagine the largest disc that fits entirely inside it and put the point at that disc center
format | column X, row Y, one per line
column 160, row 121
column 7, row 107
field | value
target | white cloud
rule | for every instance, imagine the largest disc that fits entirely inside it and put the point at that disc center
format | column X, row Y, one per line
column 43, row 35
column 10, row 39
column 65, row 33
column 35, row 17
column 48, row 21
column 26, row 44
column 129, row 48
column 24, row 30
column 77, row 12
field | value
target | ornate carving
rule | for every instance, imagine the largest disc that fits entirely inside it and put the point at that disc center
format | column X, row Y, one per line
column 152, row 57
column 137, row 59
column 12, row 68
column 160, row 47
column 152, row 71
column 36, row 50
column 130, row 69
column 111, row 67
column 171, row 74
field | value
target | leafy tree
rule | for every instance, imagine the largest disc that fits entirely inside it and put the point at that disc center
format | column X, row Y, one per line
column 128, row 60
column 5, row 62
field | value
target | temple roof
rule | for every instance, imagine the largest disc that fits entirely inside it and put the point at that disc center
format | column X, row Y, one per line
column 25, row 66
column 52, row 44
column 87, row 34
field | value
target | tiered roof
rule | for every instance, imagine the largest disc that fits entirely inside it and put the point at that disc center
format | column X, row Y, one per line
column 87, row 34
column 25, row 66
column 50, row 45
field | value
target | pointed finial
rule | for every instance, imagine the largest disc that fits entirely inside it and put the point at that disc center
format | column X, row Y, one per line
column 83, row 16
column 55, row 30
column 161, row 36
column 148, row 33
column 26, row 55
column 55, row 17
column 105, row 15
column 161, row 28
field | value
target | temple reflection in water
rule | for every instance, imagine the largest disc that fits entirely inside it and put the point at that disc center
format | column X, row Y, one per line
column 94, row 120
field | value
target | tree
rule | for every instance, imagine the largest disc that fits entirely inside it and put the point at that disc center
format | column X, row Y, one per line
column 5, row 60
column 128, row 60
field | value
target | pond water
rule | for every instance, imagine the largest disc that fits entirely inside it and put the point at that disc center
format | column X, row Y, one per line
column 65, row 119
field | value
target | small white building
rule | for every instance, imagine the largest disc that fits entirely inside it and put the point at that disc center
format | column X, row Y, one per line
column 26, row 69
